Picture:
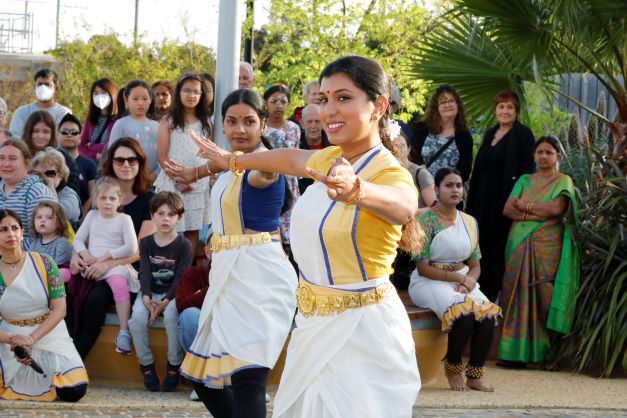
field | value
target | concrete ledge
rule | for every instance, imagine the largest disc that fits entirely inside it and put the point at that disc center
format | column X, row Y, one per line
column 108, row 368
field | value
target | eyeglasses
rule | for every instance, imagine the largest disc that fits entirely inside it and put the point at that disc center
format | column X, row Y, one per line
column 447, row 102
column 72, row 132
column 48, row 173
column 191, row 92
column 119, row 161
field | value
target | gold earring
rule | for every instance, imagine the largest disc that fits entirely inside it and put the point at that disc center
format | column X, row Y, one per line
column 373, row 118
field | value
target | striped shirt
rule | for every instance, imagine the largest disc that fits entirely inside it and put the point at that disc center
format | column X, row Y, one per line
column 23, row 199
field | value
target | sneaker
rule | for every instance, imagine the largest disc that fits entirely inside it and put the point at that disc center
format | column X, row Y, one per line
column 151, row 379
column 193, row 396
column 171, row 380
column 123, row 342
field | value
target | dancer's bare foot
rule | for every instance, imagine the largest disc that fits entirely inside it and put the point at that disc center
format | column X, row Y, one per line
column 477, row 384
column 456, row 382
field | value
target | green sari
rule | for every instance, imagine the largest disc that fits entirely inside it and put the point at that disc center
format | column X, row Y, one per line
column 541, row 274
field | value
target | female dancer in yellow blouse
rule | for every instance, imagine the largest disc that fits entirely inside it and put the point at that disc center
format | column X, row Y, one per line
column 352, row 352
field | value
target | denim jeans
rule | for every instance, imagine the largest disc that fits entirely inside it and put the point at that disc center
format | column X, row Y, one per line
column 188, row 325
column 138, row 325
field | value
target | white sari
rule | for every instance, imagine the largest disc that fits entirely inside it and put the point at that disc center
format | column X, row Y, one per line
column 454, row 244
column 27, row 298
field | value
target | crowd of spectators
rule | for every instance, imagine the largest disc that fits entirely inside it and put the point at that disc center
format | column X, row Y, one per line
column 119, row 200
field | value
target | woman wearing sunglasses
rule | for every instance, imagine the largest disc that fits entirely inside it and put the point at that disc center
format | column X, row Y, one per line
column 49, row 165
column 125, row 161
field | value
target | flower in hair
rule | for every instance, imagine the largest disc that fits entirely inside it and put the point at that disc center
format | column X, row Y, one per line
column 393, row 129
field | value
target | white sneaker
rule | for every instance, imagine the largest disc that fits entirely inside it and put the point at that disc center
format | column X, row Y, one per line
column 267, row 398
column 193, row 396
column 123, row 342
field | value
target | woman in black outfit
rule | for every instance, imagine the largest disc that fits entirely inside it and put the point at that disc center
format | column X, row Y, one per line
column 442, row 139
column 505, row 154
column 125, row 160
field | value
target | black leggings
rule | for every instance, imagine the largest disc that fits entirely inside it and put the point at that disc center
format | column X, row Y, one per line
column 245, row 398
column 463, row 328
column 72, row 394
column 93, row 316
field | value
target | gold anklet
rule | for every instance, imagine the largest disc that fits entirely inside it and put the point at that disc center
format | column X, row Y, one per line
column 474, row 372
column 451, row 369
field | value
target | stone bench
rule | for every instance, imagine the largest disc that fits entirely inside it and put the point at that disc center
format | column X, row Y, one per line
column 108, row 368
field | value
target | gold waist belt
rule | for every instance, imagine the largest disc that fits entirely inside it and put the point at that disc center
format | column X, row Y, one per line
column 222, row 242
column 324, row 301
column 28, row 322
column 448, row 266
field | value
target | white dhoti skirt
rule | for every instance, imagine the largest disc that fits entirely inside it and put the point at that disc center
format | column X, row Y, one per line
column 360, row 363
column 246, row 315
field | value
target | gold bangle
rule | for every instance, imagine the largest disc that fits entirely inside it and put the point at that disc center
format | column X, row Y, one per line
column 209, row 168
column 32, row 340
column 359, row 194
column 196, row 173
column 233, row 164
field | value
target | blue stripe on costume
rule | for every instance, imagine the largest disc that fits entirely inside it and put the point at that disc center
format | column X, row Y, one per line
column 354, row 238
column 324, row 248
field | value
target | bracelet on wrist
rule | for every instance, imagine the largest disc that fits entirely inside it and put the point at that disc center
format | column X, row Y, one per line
column 196, row 173
column 233, row 164
column 358, row 195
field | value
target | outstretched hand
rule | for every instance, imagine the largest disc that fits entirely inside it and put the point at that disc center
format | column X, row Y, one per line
column 340, row 181
column 209, row 150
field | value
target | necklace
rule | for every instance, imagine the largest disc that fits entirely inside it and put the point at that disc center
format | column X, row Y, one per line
column 13, row 265
column 441, row 215
column 361, row 153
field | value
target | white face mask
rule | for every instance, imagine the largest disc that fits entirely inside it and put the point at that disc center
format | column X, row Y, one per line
column 101, row 100
column 44, row 93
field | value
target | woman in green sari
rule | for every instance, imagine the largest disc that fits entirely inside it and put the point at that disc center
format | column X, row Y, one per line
column 542, row 261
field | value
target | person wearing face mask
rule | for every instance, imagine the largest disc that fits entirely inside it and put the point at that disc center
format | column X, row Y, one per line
column 46, row 85
column 101, row 114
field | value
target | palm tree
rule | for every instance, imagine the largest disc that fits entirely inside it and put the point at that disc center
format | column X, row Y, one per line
column 488, row 45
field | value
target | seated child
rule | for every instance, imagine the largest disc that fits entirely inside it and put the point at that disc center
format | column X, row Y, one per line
column 108, row 234
column 163, row 257
column 48, row 227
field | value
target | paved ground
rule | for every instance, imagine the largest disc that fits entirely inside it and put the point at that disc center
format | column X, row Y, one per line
column 443, row 413
column 520, row 393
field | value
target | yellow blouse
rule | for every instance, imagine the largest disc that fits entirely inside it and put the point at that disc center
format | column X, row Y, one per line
column 362, row 248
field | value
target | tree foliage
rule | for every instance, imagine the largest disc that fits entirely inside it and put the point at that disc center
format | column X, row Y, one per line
column 81, row 63
column 488, row 45
column 303, row 36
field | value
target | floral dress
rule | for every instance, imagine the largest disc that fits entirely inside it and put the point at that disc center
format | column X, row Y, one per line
column 286, row 137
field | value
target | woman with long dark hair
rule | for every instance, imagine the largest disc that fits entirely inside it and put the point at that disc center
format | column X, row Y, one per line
column 125, row 161
column 190, row 112
column 446, row 282
column 101, row 115
column 352, row 352
column 542, row 270
column 248, row 310
column 442, row 139
column 32, row 308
